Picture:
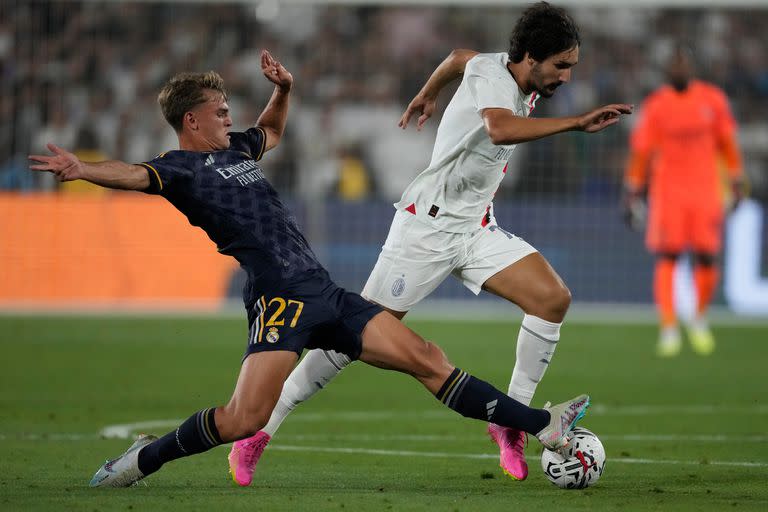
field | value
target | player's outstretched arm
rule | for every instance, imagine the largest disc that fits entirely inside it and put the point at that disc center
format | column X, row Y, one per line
column 275, row 114
column 111, row 174
column 505, row 128
column 425, row 101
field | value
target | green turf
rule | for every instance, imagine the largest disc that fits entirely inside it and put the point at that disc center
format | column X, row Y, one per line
column 64, row 379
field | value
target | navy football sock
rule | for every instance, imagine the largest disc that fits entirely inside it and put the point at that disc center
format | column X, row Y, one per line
column 196, row 435
column 474, row 398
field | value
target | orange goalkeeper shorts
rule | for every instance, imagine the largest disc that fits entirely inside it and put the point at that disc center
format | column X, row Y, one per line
column 679, row 226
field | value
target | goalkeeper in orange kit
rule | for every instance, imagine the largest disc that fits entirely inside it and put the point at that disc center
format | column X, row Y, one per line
column 685, row 134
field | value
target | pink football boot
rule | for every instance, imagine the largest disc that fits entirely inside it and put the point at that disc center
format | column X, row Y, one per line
column 511, row 447
column 244, row 456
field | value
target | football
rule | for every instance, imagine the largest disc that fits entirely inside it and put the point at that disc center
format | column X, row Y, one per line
column 578, row 465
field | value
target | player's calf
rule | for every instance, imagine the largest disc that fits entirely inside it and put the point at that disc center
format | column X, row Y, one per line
column 197, row 434
column 238, row 423
column 474, row 398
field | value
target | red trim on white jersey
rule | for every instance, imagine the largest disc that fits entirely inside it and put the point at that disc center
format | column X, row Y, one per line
column 532, row 102
column 411, row 208
column 487, row 217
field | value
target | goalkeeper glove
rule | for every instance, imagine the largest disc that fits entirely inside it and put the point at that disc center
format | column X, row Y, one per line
column 634, row 210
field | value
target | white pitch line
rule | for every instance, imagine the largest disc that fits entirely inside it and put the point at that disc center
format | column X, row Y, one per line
column 644, row 410
column 49, row 437
column 736, row 463
column 719, row 438
column 594, row 410
column 392, row 453
column 123, row 430
column 407, row 453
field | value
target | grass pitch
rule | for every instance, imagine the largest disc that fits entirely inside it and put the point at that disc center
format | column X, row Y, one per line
column 688, row 433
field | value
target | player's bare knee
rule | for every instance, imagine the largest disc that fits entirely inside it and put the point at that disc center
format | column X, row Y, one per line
column 562, row 300
column 554, row 303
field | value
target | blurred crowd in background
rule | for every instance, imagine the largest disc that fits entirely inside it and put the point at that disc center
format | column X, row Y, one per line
column 85, row 75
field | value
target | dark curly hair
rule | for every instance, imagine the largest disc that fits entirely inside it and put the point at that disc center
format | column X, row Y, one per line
column 542, row 31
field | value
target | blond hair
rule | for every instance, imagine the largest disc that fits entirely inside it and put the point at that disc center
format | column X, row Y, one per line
column 184, row 92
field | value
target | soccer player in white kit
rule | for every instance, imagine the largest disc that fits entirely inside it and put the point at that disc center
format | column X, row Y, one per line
column 444, row 223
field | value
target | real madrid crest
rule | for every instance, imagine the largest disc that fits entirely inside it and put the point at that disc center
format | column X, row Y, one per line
column 273, row 336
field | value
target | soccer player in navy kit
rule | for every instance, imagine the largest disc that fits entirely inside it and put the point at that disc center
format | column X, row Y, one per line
column 292, row 304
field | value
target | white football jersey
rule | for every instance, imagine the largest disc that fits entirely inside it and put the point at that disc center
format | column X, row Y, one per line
column 455, row 192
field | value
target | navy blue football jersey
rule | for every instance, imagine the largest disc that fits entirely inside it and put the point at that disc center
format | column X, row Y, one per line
column 225, row 193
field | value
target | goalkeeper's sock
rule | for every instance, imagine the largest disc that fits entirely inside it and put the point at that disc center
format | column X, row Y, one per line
column 474, row 398
column 705, row 278
column 536, row 343
column 663, row 291
column 196, row 435
column 310, row 376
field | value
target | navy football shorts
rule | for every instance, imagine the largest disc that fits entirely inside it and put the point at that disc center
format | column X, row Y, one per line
column 311, row 312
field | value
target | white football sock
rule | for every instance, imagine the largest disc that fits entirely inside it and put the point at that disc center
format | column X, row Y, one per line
column 310, row 376
column 536, row 344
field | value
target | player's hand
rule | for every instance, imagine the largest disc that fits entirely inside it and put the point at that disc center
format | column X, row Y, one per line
column 422, row 105
column 63, row 164
column 634, row 210
column 738, row 192
column 603, row 117
column 275, row 72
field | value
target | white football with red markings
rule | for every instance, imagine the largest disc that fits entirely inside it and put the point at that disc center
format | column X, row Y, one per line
column 578, row 465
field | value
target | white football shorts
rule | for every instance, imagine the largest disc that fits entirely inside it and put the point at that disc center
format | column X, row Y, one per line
column 415, row 259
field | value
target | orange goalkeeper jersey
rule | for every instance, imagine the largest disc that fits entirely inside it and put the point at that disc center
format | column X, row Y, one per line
column 684, row 135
